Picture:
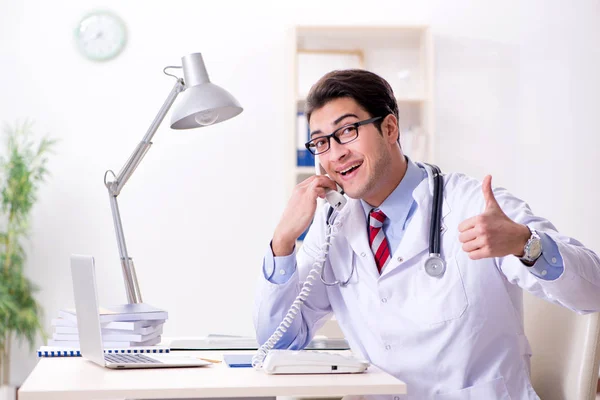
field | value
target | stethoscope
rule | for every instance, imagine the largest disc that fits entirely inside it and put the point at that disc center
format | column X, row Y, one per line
column 435, row 266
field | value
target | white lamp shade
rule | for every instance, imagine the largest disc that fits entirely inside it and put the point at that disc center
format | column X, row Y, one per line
column 202, row 103
column 204, row 98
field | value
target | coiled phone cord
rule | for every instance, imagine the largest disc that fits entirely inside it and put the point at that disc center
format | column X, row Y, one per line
column 313, row 275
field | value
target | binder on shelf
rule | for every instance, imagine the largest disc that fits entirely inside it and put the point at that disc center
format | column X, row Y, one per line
column 121, row 312
column 304, row 158
column 50, row 351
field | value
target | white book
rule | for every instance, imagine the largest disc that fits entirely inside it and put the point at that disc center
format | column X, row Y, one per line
column 144, row 330
column 115, row 345
column 121, row 312
column 111, row 337
column 122, row 325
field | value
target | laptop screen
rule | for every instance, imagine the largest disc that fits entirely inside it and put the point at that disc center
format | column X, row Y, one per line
column 86, row 307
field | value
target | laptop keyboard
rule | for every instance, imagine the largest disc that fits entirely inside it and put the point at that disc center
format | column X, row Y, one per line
column 130, row 359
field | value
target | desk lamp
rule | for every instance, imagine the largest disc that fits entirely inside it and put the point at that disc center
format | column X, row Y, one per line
column 202, row 103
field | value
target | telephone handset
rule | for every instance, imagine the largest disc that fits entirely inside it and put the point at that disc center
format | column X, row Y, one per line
column 335, row 198
column 305, row 362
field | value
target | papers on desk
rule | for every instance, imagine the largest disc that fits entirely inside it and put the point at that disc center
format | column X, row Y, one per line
column 122, row 312
column 143, row 327
column 122, row 326
column 110, row 338
column 106, row 343
column 326, row 343
column 110, row 335
column 204, row 343
column 227, row 342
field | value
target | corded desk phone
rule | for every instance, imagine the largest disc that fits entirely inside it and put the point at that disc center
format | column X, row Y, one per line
column 308, row 361
column 311, row 362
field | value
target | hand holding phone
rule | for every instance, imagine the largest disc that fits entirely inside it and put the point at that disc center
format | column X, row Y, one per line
column 300, row 211
column 334, row 197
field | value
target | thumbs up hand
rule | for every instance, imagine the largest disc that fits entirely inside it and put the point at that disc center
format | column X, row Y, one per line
column 492, row 233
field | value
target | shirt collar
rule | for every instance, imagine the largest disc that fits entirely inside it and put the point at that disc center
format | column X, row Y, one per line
column 397, row 205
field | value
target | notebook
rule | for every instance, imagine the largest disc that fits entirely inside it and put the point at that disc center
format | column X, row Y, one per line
column 52, row 351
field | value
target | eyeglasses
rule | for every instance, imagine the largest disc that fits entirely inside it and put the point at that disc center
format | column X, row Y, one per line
column 342, row 135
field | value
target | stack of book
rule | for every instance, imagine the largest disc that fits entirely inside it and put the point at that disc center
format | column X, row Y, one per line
column 122, row 326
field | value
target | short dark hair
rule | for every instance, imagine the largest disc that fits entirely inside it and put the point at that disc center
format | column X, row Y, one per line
column 373, row 93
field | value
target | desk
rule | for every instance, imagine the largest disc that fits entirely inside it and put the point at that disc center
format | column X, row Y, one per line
column 73, row 378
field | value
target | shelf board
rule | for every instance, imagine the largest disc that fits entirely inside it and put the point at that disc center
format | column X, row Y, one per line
column 410, row 99
column 305, row 170
column 416, row 99
column 346, row 37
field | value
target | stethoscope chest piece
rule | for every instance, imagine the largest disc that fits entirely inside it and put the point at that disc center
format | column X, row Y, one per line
column 435, row 266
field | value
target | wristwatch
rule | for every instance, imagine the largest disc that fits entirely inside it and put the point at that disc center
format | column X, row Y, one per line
column 533, row 248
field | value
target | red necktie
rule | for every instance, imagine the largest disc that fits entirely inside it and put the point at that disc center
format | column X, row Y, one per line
column 377, row 240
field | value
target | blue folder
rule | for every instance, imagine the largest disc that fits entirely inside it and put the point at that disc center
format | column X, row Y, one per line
column 238, row 360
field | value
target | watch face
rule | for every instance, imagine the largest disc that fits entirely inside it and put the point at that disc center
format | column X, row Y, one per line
column 535, row 249
column 101, row 35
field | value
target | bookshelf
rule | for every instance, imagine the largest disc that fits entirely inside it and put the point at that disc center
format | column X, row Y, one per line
column 403, row 55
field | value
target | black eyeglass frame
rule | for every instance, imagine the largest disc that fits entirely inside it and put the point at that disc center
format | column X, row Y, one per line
column 337, row 139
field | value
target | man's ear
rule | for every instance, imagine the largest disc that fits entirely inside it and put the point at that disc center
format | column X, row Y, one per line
column 389, row 127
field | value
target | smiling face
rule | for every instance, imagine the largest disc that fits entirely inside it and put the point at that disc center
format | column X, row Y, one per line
column 371, row 166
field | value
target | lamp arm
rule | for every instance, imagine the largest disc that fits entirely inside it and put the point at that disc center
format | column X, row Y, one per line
column 116, row 185
column 140, row 151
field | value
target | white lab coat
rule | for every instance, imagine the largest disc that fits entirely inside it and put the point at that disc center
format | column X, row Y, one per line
column 456, row 337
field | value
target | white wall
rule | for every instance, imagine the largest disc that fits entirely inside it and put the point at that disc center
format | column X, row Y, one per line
column 517, row 92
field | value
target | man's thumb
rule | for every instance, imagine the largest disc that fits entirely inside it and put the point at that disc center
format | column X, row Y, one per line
column 488, row 194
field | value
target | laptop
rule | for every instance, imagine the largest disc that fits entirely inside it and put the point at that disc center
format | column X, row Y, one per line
column 90, row 334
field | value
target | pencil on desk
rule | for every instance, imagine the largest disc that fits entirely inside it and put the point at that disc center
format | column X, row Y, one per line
column 209, row 360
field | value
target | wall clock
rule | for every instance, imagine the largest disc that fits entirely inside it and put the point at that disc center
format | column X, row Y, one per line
column 101, row 35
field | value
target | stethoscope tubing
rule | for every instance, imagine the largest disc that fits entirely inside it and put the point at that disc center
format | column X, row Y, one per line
column 435, row 228
column 336, row 282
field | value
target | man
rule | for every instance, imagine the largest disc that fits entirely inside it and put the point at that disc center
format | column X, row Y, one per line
column 454, row 336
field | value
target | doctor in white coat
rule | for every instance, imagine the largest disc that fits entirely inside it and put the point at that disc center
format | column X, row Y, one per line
column 455, row 336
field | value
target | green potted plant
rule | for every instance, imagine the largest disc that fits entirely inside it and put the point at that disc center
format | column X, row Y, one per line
column 22, row 169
